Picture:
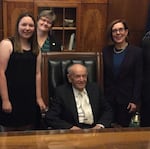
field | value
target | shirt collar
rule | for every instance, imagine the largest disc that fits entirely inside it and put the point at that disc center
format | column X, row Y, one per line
column 77, row 92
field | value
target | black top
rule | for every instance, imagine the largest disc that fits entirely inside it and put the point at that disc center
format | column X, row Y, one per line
column 21, row 81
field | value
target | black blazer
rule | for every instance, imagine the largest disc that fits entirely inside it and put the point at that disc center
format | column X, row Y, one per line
column 126, row 87
column 63, row 112
column 54, row 44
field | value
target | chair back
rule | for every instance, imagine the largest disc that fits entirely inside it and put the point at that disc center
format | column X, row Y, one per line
column 54, row 69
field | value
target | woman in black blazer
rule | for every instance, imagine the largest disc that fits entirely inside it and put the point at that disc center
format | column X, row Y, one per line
column 122, row 73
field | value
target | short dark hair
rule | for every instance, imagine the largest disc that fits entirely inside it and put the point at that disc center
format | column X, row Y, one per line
column 110, row 26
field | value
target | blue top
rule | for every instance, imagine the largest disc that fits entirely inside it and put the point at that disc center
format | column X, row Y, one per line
column 117, row 60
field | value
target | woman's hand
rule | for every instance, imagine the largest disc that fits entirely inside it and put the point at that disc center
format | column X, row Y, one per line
column 131, row 107
column 42, row 105
column 6, row 106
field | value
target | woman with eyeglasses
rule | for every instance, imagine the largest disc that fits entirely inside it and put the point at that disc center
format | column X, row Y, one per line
column 122, row 73
column 46, row 40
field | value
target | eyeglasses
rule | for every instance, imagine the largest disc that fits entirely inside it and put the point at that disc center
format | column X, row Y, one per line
column 120, row 30
column 46, row 20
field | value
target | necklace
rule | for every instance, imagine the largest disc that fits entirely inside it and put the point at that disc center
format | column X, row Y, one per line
column 118, row 51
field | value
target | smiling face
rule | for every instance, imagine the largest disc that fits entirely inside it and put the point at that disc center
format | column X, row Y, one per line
column 26, row 27
column 119, row 33
column 44, row 24
column 78, row 76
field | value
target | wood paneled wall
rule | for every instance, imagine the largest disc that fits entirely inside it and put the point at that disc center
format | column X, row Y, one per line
column 133, row 11
column 93, row 25
column 1, row 20
column 12, row 11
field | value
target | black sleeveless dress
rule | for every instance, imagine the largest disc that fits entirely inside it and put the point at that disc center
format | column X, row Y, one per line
column 21, row 82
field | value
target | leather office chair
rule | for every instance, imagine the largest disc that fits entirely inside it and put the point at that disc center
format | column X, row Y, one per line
column 54, row 66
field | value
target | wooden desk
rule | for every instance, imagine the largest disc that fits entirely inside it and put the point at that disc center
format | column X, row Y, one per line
column 86, row 139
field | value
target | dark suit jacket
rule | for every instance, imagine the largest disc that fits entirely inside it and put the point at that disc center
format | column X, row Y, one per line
column 63, row 112
column 54, row 47
column 126, row 86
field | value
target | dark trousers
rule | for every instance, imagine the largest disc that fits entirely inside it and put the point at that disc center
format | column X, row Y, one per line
column 122, row 117
column 145, row 114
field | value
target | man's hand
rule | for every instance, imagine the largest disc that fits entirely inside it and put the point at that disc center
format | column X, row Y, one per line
column 75, row 128
column 98, row 126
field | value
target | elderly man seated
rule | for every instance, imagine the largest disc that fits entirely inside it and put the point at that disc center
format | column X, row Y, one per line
column 78, row 104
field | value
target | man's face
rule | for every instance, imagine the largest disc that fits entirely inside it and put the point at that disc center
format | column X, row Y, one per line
column 78, row 77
